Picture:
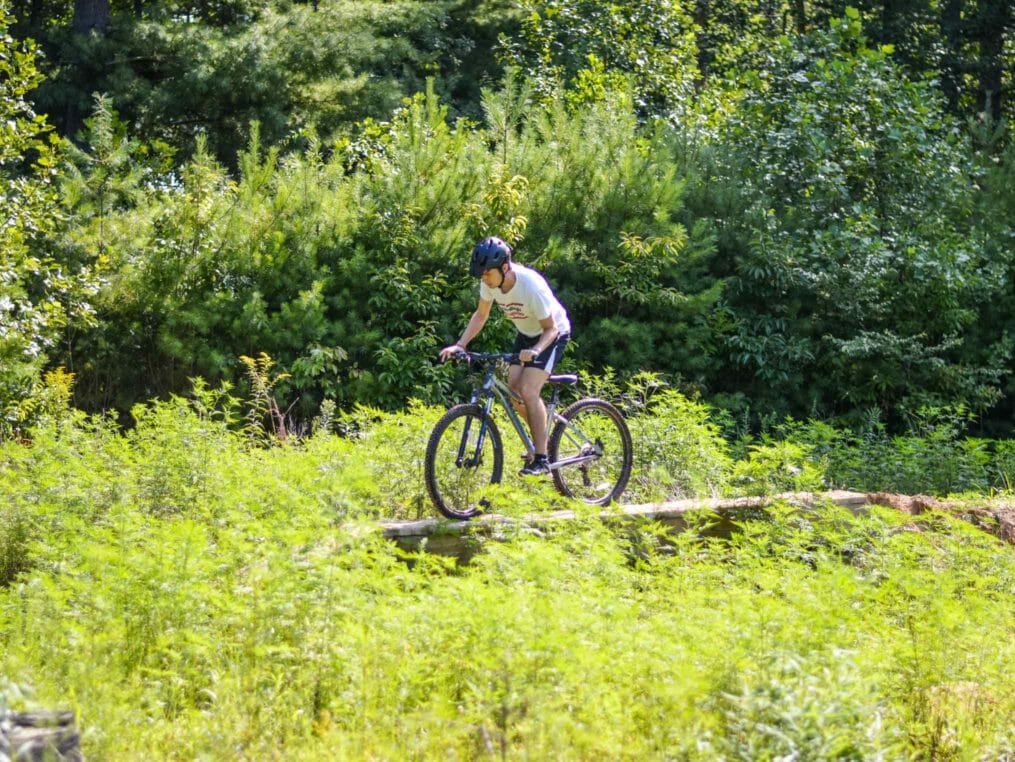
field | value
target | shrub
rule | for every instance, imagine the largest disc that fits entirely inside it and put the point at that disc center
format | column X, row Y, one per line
column 679, row 451
column 934, row 458
column 776, row 466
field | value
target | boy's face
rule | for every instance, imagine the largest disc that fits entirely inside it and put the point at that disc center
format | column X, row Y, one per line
column 493, row 278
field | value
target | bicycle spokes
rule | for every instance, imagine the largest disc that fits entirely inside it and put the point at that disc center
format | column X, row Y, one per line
column 463, row 459
column 591, row 452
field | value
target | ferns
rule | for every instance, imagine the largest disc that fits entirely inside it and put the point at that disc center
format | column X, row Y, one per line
column 186, row 584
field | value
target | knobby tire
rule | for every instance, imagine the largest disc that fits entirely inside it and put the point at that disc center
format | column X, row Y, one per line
column 598, row 481
column 456, row 490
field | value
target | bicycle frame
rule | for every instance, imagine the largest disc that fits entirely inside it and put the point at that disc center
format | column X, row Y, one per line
column 493, row 389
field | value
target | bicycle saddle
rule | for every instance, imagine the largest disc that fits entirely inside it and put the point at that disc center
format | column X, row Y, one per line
column 566, row 379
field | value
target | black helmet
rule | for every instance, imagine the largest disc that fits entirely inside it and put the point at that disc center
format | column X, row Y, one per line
column 489, row 253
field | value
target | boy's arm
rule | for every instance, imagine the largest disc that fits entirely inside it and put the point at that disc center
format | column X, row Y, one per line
column 476, row 323
column 545, row 341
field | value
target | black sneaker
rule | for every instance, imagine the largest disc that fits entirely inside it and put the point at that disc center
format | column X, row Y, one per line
column 539, row 466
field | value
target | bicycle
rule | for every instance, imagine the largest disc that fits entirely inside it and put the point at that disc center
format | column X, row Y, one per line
column 589, row 447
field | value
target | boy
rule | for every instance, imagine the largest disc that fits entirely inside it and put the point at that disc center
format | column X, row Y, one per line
column 543, row 331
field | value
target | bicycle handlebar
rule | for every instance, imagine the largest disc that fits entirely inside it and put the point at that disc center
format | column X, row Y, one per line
column 484, row 356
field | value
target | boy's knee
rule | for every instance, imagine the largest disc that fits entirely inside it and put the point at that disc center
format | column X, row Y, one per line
column 530, row 392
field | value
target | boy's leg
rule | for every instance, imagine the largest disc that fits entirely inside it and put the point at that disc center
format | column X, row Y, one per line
column 530, row 384
column 515, row 384
column 527, row 382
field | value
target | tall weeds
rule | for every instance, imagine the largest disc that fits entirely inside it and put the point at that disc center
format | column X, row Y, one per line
column 194, row 593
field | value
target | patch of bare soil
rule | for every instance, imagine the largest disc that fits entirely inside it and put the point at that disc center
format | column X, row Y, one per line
column 996, row 518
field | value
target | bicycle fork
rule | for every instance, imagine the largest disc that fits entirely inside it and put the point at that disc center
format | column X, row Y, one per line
column 473, row 462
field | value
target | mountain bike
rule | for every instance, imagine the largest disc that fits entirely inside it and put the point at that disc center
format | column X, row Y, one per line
column 589, row 447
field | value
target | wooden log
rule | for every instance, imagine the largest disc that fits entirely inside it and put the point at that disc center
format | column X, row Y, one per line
column 462, row 539
column 39, row 737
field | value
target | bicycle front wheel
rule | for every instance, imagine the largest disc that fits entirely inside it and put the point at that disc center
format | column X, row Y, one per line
column 591, row 448
column 463, row 458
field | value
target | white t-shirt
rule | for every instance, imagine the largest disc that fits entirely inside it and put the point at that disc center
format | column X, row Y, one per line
column 529, row 301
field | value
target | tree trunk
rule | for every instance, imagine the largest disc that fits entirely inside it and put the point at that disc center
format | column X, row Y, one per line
column 799, row 16
column 951, row 66
column 993, row 17
column 893, row 24
column 34, row 14
column 90, row 15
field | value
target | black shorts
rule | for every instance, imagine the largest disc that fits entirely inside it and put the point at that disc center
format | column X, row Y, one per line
column 545, row 360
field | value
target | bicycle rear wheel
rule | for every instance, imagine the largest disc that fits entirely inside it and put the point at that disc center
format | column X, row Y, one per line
column 459, row 468
column 594, row 436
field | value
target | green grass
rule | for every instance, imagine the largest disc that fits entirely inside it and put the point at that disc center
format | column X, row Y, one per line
column 193, row 596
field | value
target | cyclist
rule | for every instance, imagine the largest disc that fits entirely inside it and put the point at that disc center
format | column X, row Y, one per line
column 544, row 329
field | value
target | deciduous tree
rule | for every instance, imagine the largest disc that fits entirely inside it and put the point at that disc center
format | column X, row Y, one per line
column 38, row 294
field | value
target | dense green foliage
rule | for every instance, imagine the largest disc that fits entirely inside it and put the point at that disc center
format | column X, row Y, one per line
column 774, row 207
column 794, row 210
column 867, row 262
column 191, row 593
column 352, row 279
column 790, row 280
column 652, row 42
column 39, row 293
column 177, row 71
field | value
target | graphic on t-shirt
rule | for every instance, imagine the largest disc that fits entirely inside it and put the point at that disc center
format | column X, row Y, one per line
column 514, row 310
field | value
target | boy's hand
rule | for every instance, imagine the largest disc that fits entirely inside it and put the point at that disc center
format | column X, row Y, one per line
column 526, row 355
column 449, row 352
